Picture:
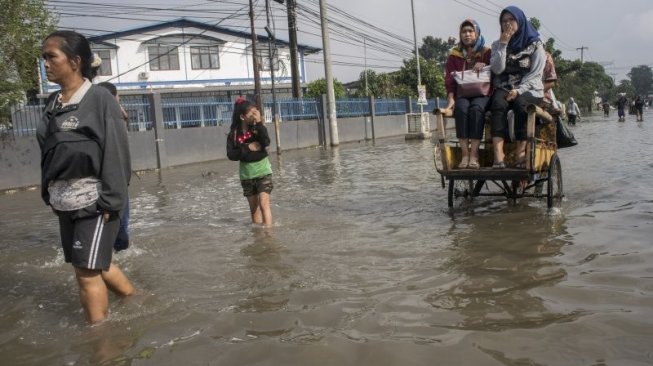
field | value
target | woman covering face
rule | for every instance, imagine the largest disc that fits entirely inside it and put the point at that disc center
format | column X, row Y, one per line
column 517, row 62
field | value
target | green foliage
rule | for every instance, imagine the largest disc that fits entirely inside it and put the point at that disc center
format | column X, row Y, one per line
column 436, row 49
column 549, row 46
column 641, row 78
column 375, row 84
column 625, row 86
column 317, row 88
column 23, row 26
column 431, row 74
column 535, row 23
column 580, row 81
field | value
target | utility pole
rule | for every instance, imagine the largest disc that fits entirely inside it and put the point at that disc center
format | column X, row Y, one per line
column 367, row 89
column 582, row 48
column 419, row 75
column 272, row 38
column 292, row 37
column 331, row 97
column 255, row 66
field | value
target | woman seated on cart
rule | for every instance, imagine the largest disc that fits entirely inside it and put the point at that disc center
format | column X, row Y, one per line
column 517, row 62
column 469, row 113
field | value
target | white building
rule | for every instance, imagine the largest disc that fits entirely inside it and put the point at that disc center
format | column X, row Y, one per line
column 183, row 53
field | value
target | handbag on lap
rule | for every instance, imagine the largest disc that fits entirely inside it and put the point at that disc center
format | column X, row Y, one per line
column 471, row 84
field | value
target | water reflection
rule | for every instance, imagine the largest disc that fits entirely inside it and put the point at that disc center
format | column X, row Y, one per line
column 501, row 259
column 268, row 274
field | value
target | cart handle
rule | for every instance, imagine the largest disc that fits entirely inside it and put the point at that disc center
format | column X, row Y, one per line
column 444, row 112
column 539, row 112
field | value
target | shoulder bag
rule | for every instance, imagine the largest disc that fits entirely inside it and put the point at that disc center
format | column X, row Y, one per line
column 471, row 84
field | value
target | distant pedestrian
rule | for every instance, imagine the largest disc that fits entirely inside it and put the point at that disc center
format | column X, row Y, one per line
column 114, row 91
column 573, row 112
column 122, row 240
column 247, row 142
column 622, row 103
column 606, row 107
column 85, row 167
column 639, row 108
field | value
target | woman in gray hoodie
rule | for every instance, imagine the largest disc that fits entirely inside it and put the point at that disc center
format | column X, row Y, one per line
column 85, row 167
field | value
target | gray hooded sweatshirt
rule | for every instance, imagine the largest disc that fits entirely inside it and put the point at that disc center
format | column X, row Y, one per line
column 92, row 113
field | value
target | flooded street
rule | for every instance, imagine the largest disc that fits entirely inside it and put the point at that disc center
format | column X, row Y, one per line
column 365, row 265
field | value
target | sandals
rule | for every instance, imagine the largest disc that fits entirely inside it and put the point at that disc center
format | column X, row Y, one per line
column 499, row 165
column 473, row 163
column 464, row 163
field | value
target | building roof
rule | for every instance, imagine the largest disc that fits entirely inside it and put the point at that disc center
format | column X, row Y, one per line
column 184, row 22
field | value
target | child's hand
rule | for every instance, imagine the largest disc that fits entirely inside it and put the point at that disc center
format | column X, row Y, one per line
column 254, row 146
column 256, row 116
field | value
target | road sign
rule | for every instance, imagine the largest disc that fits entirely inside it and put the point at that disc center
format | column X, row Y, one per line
column 421, row 95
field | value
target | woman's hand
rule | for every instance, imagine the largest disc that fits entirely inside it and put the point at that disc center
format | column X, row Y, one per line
column 512, row 95
column 254, row 146
column 478, row 66
column 507, row 34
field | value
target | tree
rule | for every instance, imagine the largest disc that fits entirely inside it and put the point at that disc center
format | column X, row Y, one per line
column 625, row 86
column 535, row 23
column 436, row 49
column 582, row 84
column 432, row 76
column 23, row 26
column 641, row 78
column 317, row 88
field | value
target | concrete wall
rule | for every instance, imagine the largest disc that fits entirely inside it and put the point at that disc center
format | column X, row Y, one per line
column 20, row 162
column 20, row 156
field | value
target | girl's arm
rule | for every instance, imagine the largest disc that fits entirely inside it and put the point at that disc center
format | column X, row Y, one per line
column 234, row 150
column 263, row 137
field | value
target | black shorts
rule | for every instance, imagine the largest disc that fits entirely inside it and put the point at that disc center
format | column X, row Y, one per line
column 257, row 185
column 87, row 240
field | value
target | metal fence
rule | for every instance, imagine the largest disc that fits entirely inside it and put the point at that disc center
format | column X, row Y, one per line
column 188, row 112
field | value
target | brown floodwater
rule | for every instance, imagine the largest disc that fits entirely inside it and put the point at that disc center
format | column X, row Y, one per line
column 365, row 265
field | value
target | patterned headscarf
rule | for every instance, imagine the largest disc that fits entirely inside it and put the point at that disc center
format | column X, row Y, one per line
column 525, row 35
column 480, row 41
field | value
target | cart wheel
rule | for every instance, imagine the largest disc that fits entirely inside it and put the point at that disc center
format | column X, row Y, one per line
column 460, row 188
column 554, row 191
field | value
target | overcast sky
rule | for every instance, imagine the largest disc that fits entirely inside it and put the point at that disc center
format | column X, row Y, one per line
column 618, row 34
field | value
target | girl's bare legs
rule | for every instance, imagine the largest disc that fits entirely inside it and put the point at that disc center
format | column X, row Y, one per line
column 264, row 205
column 255, row 209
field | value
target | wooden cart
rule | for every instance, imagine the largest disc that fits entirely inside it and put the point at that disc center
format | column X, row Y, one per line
column 542, row 164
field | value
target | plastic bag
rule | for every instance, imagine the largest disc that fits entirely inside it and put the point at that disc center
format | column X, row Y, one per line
column 564, row 136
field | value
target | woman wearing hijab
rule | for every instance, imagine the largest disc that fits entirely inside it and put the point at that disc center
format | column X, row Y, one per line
column 470, row 53
column 517, row 60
